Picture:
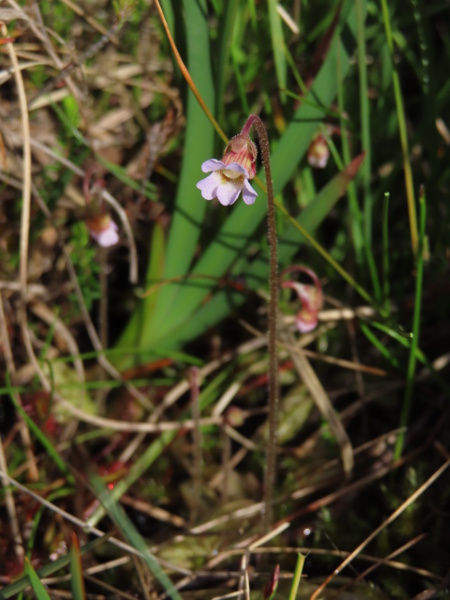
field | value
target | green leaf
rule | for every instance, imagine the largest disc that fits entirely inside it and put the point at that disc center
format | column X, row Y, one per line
column 276, row 32
column 76, row 570
column 124, row 524
column 41, row 437
column 38, row 588
column 188, row 212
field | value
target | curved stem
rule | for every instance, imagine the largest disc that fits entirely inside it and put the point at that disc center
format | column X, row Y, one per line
column 273, row 383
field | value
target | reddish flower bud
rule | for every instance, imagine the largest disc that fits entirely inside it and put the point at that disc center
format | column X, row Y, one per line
column 241, row 150
column 318, row 152
column 310, row 296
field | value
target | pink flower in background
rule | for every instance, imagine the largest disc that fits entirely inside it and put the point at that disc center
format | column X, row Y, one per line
column 99, row 223
column 318, row 151
column 310, row 296
column 102, row 229
column 230, row 176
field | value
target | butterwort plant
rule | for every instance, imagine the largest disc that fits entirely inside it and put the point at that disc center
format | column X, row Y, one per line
column 228, row 179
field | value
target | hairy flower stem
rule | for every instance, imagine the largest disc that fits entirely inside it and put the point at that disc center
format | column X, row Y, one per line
column 273, row 384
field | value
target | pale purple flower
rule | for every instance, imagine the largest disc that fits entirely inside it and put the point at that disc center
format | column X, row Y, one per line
column 103, row 230
column 226, row 182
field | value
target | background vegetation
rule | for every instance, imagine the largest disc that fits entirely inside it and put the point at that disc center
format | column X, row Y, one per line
column 133, row 410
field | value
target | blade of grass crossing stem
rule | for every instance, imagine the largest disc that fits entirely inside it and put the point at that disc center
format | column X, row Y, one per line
column 297, row 576
column 76, row 570
column 409, row 184
column 276, row 34
column 236, row 233
column 406, row 409
column 189, row 211
column 36, row 585
column 121, row 520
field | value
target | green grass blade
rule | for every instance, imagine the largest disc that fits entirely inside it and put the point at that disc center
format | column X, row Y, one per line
column 409, row 184
column 136, row 470
column 383, row 349
column 297, row 576
column 385, row 246
column 355, row 210
column 186, row 224
column 276, row 33
column 41, row 437
column 360, row 237
column 365, row 118
column 148, row 189
column 406, row 409
column 76, row 570
column 155, row 272
column 38, row 588
column 121, row 520
column 225, row 51
column 188, row 212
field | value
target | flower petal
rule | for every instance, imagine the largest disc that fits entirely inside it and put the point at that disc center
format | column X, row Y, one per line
column 225, row 182
column 228, row 192
column 248, row 193
column 306, row 320
column 238, row 168
column 209, row 186
column 212, row 165
column 106, row 237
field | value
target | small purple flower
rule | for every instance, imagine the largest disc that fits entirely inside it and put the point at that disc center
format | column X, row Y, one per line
column 230, row 176
column 103, row 230
column 226, row 182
